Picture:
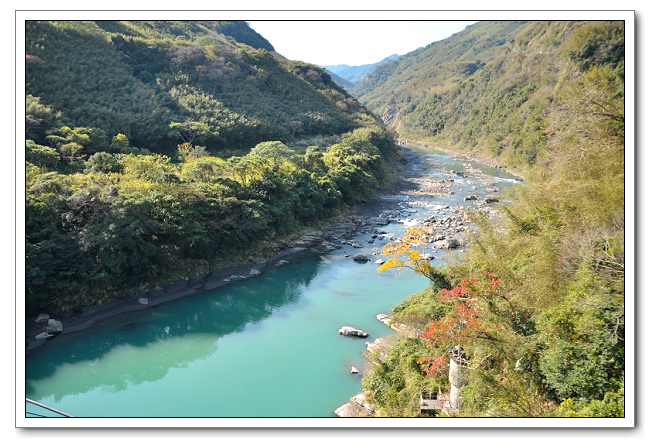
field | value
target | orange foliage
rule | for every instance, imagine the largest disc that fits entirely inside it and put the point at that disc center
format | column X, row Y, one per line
column 462, row 322
column 404, row 253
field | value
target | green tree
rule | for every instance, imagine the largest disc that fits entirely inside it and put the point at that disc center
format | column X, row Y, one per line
column 38, row 118
column 276, row 152
column 102, row 162
column 120, row 144
column 42, row 156
column 203, row 169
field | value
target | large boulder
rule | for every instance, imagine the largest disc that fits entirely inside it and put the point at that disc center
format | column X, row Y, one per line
column 448, row 243
column 351, row 331
column 471, row 197
column 54, row 326
column 42, row 318
column 43, row 335
column 489, row 199
column 360, row 257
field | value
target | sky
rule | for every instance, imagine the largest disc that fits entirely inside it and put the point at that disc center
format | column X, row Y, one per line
column 352, row 42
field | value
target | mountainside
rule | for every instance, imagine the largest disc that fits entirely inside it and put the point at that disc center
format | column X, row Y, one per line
column 137, row 78
column 157, row 151
column 356, row 73
column 488, row 88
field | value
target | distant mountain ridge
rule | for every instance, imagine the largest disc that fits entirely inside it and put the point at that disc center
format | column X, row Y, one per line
column 356, row 73
column 347, row 85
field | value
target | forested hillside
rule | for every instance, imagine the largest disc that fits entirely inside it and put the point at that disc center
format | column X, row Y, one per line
column 489, row 88
column 138, row 78
column 538, row 302
column 161, row 149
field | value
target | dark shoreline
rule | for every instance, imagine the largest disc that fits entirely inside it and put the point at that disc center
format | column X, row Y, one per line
column 87, row 316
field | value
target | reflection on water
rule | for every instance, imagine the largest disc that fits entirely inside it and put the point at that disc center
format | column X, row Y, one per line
column 125, row 365
column 187, row 329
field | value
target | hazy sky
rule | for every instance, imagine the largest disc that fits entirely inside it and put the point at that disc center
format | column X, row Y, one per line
column 352, row 42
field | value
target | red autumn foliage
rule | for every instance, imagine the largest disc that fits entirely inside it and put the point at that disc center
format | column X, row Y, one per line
column 433, row 365
column 462, row 322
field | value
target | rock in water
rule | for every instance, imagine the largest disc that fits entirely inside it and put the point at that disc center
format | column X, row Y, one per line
column 351, row 331
column 360, row 257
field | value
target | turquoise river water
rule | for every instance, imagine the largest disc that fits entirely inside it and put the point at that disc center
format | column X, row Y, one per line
column 267, row 346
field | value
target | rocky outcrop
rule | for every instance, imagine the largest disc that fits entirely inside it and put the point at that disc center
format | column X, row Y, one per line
column 358, row 406
column 384, row 318
column 398, row 328
column 379, row 345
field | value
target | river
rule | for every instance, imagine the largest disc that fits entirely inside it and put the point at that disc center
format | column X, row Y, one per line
column 264, row 347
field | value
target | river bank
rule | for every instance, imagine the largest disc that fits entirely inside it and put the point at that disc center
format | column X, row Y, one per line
column 381, row 210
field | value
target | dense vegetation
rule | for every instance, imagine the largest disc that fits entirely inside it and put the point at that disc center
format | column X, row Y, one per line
column 137, row 78
column 158, row 150
column 488, row 88
column 538, row 301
